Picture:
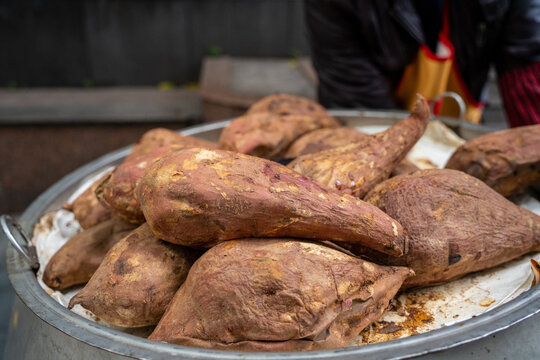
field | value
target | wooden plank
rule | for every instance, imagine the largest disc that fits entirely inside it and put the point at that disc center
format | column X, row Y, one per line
column 121, row 104
column 238, row 81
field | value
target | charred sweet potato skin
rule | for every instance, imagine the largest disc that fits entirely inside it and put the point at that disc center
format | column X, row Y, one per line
column 76, row 261
column 87, row 209
column 323, row 139
column 356, row 168
column 283, row 104
column 507, row 160
column 198, row 197
column 136, row 280
column 456, row 225
column 277, row 295
column 268, row 135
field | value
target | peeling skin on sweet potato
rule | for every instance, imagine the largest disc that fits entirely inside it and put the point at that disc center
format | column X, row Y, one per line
column 268, row 135
column 136, row 281
column 160, row 137
column 283, row 104
column 86, row 208
column 323, row 139
column 456, row 225
column 77, row 260
column 357, row 167
column 507, row 160
column 198, row 197
column 277, row 295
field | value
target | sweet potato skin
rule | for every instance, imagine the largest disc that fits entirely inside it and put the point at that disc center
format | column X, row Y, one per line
column 456, row 225
column 356, row 168
column 136, row 280
column 117, row 190
column 198, row 197
column 323, row 139
column 507, row 160
column 87, row 209
column 330, row 138
column 277, row 295
column 76, row 261
column 268, row 135
column 160, row 137
column 284, row 104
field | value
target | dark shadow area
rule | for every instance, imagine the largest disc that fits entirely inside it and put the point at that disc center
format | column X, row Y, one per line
column 7, row 296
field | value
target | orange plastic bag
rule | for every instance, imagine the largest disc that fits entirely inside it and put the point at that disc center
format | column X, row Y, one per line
column 434, row 73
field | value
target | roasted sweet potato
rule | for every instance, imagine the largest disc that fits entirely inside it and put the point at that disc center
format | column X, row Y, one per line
column 356, row 168
column 323, row 139
column 456, row 225
column 508, row 160
column 198, row 197
column 116, row 190
column 268, row 135
column 136, row 280
column 160, row 137
column 283, row 104
column 86, row 208
column 277, row 295
column 76, row 261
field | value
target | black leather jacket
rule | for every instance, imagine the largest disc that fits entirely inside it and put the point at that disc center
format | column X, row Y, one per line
column 361, row 47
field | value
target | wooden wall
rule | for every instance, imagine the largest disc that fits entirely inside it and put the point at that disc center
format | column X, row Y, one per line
column 129, row 42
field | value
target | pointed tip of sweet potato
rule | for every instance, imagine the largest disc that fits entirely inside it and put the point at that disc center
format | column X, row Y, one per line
column 76, row 300
column 52, row 281
column 420, row 109
column 67, row 206
column 100, row 189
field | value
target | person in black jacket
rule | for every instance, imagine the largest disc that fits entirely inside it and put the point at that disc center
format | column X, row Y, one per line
column 361, row 48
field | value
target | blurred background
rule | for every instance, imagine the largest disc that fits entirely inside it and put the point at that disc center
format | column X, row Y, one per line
column 79, row 79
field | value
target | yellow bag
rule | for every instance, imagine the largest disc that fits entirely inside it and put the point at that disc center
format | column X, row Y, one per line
column 432, row 74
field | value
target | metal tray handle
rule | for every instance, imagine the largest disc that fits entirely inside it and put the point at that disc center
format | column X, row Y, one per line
column 28, row 251
column 449, row 94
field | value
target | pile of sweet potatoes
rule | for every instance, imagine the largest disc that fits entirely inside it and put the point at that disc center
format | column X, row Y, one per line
column 239, row 252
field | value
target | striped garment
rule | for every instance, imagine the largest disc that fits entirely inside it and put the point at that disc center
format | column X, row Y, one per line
column 520, row 89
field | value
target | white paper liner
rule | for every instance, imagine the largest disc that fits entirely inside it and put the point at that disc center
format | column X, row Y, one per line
column 50, row 234
column 413, row 312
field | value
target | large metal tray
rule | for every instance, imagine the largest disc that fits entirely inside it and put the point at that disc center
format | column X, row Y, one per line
column 42, row 328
